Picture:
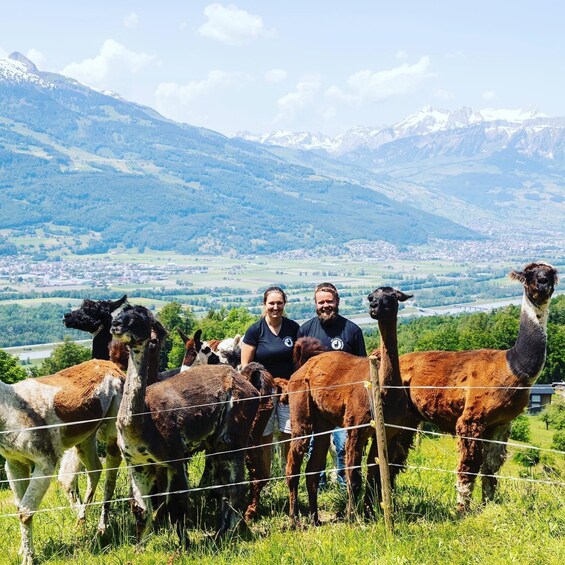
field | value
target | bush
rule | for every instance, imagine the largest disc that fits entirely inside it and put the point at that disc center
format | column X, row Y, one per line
column 521, row 429
column 528, row 458
column 558, row 440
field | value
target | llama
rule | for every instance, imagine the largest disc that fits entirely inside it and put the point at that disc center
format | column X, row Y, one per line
column 41, row 418
column 476, row 394
column 327, row 391
column 210, row 408
column 95, row 317
column 198, row 352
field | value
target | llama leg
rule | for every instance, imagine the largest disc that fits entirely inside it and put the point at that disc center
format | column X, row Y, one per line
column 230, row 471
column 142, row 481
column 372, row 487
column 18, row 477
column 38, row 485
column 353, row 455
column 494, row 455
column 69, row 470
column 178, row 503
column 113, row 460
column 259, row 472
column 314, row 466
column 298, row 448
column 86, row 451
column 470, row 459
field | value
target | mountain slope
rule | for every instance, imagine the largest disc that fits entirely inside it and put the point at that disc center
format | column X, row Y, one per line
column 76, row 157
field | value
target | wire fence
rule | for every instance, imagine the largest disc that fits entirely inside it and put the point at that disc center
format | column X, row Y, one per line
column 558, row 484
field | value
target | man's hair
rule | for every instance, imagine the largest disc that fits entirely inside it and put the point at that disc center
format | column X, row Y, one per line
column 327, row 287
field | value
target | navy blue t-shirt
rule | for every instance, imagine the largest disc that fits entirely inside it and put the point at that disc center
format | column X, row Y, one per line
column 274, row 352
column 339, row 335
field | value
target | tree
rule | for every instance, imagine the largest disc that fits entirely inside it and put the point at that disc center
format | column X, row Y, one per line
column 554, row 414
column 174, row 315
column 64, row 355
column 10, row 370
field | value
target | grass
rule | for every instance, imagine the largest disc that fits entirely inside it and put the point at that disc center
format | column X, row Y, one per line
column 526, row 524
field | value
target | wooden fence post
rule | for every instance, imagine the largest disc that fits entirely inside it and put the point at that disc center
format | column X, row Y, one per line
column 382, row 460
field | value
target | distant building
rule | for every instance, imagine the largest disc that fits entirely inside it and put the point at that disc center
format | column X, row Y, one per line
column 540, row 396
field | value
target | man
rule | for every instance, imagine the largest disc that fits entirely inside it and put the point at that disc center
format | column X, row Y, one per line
column 337, row 334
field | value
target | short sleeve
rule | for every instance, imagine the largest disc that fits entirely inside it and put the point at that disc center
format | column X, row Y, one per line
column 251, row 336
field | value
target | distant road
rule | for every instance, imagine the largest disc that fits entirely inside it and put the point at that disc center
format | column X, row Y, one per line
column 38, row 351
column 444, row 310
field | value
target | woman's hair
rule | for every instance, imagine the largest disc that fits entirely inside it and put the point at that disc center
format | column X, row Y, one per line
column 274, row 289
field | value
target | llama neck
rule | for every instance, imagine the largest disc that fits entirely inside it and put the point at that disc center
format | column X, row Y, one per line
column 389, row 372
column 527, row 357
column 133, row 400
column 100, row 344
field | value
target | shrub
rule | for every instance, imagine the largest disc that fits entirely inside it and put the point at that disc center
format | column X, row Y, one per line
column 558, row 440
column 528, row 458
column 521, row 428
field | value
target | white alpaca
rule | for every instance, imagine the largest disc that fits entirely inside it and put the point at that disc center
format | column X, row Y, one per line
column 41, row 418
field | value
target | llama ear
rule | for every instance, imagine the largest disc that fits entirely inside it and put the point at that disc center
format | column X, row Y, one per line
column 115, row 305
column 236, row 340
column 518, row 276
column 160, row 330
column 402, row 297
column 197, row 341
column 182, row 336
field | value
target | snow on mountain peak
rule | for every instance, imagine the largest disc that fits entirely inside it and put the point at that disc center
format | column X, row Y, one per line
column 19, row 69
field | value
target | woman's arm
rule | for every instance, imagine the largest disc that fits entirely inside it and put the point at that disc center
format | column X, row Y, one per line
column 247, row 353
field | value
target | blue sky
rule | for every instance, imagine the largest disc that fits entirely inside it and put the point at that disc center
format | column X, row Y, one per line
column 320, row 66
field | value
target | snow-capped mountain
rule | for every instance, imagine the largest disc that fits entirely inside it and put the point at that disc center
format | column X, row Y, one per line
column 523, row 129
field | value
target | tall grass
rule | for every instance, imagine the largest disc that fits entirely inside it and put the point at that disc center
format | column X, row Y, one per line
column 525, row 525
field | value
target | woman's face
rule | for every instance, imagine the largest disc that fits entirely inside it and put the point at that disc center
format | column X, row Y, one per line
column 274, row 304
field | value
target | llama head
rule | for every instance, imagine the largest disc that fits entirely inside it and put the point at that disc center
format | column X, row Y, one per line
column 229, row 351
column 539, row 280
column 197, row 352
column 383, row 303
column 93, row 315
column 135, row 325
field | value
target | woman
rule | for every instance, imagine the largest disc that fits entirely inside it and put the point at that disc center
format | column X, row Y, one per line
column 269, row 342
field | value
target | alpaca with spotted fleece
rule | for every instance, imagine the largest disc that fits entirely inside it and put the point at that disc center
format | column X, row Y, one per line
column 41, row 418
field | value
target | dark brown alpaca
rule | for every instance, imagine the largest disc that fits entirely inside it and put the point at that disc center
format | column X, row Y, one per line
column 210, row 408
column 328, row 391
column 227, row 351
column 477, row 394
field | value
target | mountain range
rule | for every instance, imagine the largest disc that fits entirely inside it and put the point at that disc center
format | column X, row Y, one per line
column 91, row 162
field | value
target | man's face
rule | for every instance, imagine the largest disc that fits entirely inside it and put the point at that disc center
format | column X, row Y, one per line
column 326, row 306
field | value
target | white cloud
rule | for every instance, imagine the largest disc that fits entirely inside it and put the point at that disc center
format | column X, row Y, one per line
column 230, row 25
column 110, row 66
column 489, row 95
column 376, row 86
column 401, row 54
column 303, row 96
column 131, row 20
column 275, row 76
column 179, row 102
column 443, row 94
column 37, row 58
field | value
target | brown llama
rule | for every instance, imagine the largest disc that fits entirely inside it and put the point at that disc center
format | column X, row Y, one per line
column 41, row 419
column 476, row 394
column 228, row 351
column 328, row 391
column 209, row 408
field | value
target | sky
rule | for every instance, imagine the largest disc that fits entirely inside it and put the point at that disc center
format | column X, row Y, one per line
column 300, row 65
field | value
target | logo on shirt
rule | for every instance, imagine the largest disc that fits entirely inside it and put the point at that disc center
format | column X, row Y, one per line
column 288, row 341
column 336, row 343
